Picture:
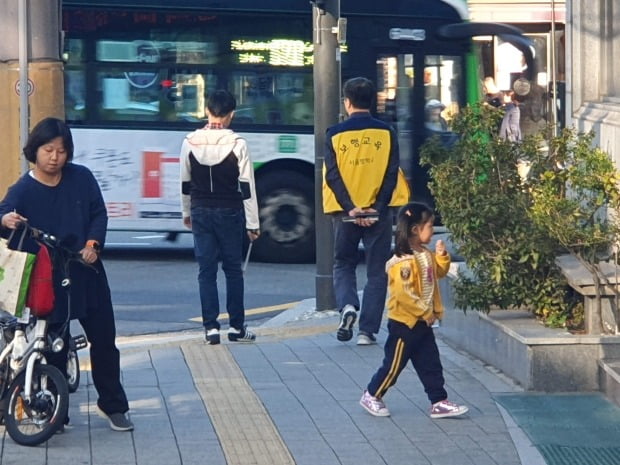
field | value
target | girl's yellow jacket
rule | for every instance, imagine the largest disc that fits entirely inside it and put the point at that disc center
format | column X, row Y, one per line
column 405, row 288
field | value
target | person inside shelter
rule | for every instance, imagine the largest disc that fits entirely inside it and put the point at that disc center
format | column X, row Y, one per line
column 433, row 119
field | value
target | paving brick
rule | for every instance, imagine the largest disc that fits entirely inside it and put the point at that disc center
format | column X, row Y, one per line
column 281, row 401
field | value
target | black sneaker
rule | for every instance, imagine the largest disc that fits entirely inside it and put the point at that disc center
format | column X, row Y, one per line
column 241, row 335
column 347, row 320
column 212, row 336
column 118, row 421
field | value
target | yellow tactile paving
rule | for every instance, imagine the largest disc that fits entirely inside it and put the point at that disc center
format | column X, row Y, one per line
column 244, row 428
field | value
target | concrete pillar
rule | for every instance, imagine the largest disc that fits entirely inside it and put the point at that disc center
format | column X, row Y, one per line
column 9, row 122
column 327, row 105
column 48, row 96
column 45, row 74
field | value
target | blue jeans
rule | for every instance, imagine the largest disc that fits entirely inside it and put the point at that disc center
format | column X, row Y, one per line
column 377, row 240
column 218, row 234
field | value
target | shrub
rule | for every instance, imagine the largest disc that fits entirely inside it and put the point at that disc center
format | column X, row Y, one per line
column 485, row 204
column 575, row 199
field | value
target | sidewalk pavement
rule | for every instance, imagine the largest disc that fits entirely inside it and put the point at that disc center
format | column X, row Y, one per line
column 290, row 398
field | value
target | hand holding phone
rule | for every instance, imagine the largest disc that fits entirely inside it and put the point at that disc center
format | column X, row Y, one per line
column 362, row 216
column 372, row 216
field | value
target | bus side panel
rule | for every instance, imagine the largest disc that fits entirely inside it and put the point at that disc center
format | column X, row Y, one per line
column 138, row 171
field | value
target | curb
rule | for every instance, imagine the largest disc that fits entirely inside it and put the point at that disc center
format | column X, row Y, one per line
column 298, row 321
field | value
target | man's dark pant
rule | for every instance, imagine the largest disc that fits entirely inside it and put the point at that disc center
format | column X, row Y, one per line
column 218, row 233
column 377, row 240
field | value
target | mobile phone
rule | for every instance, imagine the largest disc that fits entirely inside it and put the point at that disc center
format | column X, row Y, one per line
column 366, row 215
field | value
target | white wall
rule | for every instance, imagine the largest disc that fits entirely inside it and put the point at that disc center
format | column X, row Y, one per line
column 593, row 70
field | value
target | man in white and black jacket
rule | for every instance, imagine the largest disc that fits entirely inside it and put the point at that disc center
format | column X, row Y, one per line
column 218, row 198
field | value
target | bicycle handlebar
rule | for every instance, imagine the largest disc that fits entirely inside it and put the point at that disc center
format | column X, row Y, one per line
column 52, row 242
column 40, row 236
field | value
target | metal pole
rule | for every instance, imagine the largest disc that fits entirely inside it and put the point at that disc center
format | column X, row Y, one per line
column 23, row 80
column 326, row 108
column 554, row 84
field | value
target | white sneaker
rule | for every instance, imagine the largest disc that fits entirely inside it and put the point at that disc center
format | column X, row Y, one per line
column 347, row 320
column 366, row 339
column 241, row 335
column 374, row 405
column 212, row 336
column 445, row 409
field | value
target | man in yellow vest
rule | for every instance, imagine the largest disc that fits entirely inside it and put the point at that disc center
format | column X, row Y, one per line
column 361, row 181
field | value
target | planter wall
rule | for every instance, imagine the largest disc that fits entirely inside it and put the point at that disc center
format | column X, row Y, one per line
column 538, row 358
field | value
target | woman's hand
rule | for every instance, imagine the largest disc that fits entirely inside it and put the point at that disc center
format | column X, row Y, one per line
column 89, row 255
column 12, row 220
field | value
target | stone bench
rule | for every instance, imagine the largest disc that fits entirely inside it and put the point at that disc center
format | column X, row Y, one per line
column 580, row 279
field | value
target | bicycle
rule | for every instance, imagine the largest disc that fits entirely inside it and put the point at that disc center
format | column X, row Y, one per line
column 35, row 395
column 73, row 362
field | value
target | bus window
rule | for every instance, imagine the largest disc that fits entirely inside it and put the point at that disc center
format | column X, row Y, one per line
column 442, row 94
column 394, row 93
column 188, row 91
column 442, row 78
column 419, row 105
column 75, row 79
column 135, row 86
column 276, row 94
column 129, row 93
column 75, row 94
column 273, row 98
column 157, row 51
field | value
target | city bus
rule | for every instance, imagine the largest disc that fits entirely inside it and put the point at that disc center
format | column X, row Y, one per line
column 137, row 75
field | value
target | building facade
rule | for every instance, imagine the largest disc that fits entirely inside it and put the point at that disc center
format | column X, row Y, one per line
column 593, row 87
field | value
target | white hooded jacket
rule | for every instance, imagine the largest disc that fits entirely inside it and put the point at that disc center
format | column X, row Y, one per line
column 216, row 171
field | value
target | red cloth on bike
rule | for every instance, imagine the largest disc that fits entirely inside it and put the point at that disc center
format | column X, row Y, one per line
column 41, row 291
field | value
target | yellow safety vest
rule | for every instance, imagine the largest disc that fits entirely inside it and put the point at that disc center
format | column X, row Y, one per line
column 362, row 157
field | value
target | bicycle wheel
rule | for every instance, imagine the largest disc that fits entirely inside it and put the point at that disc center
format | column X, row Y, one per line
column 73, row 371
column 32, row 422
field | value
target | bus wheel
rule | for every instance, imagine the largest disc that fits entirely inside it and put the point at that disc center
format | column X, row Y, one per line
column 286, row 210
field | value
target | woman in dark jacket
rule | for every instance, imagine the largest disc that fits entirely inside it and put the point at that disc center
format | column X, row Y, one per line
column 64, row 199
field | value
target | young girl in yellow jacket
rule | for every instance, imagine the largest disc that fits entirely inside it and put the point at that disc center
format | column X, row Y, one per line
column 414, row 304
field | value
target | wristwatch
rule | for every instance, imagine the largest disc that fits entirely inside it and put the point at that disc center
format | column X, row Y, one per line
column 93, row 244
